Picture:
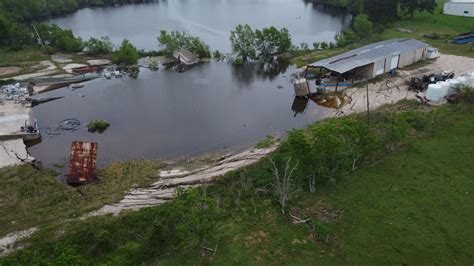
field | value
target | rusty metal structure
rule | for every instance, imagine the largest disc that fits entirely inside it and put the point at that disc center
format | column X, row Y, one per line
column 82, row 163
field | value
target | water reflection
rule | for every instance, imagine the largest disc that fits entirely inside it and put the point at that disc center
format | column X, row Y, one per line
column 211, row 20
column 247, row 73
column 300, row 103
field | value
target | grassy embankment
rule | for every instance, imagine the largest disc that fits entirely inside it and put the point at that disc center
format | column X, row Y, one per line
column 31, row 197
column 445, row 26
column 413, row 207
column 28, row 57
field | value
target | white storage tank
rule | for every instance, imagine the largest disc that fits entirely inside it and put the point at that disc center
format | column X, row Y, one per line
column 462, row 80
column 470, row 79
column 444, row 88
column 434, row 92
column 452, row 86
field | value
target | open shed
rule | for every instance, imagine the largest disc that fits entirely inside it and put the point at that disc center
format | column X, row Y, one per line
column 368, row 61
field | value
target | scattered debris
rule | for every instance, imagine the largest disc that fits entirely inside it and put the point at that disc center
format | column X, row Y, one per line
column 421, row 83
column 405, row 30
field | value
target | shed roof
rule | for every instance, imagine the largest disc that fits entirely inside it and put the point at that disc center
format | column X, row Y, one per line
column 368, row 54
column 185, row 56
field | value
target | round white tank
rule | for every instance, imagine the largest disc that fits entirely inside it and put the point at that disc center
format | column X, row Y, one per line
column 462, row 80
column 470, row 79
column 444, row 87
column 434, row 92
column 452, row 86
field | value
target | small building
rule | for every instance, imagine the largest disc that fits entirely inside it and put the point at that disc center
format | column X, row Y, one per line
column 367, row 62
column 463, row 8
column 184, row 56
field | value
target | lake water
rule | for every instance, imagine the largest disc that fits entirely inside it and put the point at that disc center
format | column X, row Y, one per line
column 211, row 20
column 214, row 107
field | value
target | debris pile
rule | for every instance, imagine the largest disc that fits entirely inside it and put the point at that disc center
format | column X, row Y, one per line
column 419, row 84
column 14, row 93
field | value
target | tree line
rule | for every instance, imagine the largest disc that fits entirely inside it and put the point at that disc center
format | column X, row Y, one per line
column 383, row 11
column 34, row 10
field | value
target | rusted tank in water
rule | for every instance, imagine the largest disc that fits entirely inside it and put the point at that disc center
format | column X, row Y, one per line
column 82, row 163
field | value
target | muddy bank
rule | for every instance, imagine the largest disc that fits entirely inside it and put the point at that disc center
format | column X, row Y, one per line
column 169, row 181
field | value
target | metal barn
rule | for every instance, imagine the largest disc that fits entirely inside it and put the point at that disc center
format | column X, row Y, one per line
column 368, row 62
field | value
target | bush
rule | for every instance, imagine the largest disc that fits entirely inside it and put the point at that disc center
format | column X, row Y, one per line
column 265, row 143
column 170, row 41
column 242, row 39
column 97, row 126
column 217, row 54
column 126, row 54
column 362, row 26
column 63, row 40
column 102, row 46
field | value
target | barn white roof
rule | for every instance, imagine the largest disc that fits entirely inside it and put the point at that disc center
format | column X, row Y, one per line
column 368, row 54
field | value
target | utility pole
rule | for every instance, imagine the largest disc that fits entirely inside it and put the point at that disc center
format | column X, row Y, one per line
column 39, row 38
column 368, row 101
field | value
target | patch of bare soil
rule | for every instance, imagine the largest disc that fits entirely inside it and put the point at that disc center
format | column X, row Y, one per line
column 394, row 89
column 8, row 244
column 9, row 70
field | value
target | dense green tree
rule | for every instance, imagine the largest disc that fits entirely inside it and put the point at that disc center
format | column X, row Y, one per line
column 126, row 54
column 58, row 38
column 243, row 42
column 382, row 11
column 101, row 46
column 270, row 41
column 409, row 7
column 362, row 26
column 170, row 41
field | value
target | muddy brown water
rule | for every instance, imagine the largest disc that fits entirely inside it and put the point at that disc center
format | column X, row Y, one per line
column 214, row 107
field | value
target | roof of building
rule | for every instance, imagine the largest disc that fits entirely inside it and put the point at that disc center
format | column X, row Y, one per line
column 186, row 56
column 368, row 54
column 462, row 1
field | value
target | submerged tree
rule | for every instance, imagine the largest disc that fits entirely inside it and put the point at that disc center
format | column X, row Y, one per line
column 270, row 41
column 243, row 42
column 126, row 54
column 170, row 41
column 101, row 46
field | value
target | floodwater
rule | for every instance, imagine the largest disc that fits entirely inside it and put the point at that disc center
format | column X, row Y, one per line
column 211, row 20
column 214, row 107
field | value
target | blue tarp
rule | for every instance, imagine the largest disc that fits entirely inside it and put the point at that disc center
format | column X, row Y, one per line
column 464, row 40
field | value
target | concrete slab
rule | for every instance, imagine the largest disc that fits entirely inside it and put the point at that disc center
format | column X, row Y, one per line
column 99, row 62
column 61, row 58
column 13, row 152
column 68, row 68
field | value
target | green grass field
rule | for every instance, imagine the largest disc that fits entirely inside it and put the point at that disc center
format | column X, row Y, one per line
column 411, row 207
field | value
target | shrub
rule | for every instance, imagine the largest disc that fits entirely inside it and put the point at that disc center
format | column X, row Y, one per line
column 97, row 126
column 102, row 46
column 126, row 54
column 170, row 41
column 58, row 38
column 242, row 39
column 265, row 143
column 217, row 54
column 362, row 26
